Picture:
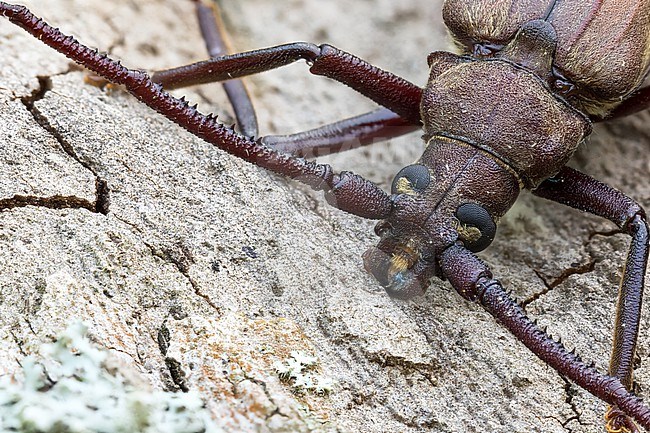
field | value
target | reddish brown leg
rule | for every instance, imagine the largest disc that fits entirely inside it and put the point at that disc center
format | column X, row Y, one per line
column 362, row 130
column 346, row 191
column 386, row 89
column 638, row 101
column 381, row 124
column 473, row 280
column 368, row 128
column 580, row 191
column 216, row 42
column 378, row 125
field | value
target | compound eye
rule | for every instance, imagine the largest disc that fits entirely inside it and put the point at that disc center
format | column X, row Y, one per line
column 411, row 180
column 476, row 228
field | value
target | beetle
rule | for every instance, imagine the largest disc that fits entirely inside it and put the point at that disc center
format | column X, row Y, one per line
column 458, row 215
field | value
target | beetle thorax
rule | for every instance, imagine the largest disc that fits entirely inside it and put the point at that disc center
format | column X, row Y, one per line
column 505, row 110
column 492, row 127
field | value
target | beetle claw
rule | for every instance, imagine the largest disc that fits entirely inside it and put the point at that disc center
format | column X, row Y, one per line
column 618, row 422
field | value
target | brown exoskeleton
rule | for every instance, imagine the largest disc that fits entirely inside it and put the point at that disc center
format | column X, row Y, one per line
column 557, row 72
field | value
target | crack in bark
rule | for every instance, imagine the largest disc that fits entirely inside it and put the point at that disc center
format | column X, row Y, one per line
column 385, row 359
column 177, row 373
column 102, row 193
column 182, row 259
column 570, row 394
column 360, row 356
column 174, row 367
column 432, row 423
column 118, row 350
column 550, row 285
column 53, row 202
column 268, row 395
column 181, row 263
column 164, row 339
column 19, row 343
column 605, row 233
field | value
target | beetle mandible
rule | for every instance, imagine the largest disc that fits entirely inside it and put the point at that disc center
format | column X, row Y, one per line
column 408, row 256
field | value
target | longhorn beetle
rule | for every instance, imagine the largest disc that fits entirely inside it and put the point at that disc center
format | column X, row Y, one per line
column 558, row 71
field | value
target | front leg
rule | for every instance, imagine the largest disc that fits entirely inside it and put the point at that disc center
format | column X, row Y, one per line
column 583, row 192
column 637, row 101
column 346, row 191
column 473, row 280
column 395, row 93
column 346, row 134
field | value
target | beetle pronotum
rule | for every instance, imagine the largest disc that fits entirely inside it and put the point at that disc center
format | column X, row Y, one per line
column 425, row 409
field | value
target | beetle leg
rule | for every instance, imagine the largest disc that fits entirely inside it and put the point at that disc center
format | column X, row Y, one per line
column 357, row 131
column 387, row 89
column 216, row 41
column 473, row 280
column 346, row 191
column 583, row 192
column 350, row 133
column 369, row 128
column 637, row 101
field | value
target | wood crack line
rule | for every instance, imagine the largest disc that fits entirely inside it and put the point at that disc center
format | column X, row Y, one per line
column 102, row 198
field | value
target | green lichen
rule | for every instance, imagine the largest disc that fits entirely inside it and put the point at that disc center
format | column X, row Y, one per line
column 68, row 388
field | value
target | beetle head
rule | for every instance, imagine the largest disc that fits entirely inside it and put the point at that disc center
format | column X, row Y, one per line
column 455, row 197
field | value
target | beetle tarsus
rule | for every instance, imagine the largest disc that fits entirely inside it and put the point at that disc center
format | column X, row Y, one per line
column 616, row 421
